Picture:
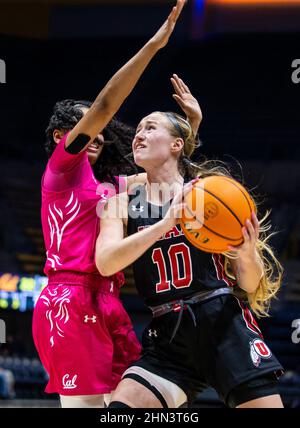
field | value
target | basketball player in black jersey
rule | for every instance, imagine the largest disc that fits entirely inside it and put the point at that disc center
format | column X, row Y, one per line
column 201, row 335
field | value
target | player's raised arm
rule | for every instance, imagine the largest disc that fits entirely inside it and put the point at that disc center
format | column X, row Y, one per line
column 119, row 87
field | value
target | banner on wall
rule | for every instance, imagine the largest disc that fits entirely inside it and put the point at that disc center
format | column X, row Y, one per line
column 20, row 292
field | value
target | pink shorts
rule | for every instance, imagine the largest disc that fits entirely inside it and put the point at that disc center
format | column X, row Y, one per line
column 83, row 334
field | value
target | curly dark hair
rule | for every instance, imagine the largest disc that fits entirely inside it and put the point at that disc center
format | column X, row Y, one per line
column 114, row 158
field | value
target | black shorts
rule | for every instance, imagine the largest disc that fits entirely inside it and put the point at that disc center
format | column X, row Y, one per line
column 225, row 351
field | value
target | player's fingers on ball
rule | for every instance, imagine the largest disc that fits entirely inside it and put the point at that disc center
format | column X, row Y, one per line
column 183, row 206
column 178, row 210
column 234, row 249
column 178, row 197
column 250, row 229
column 187, row 188
column 245, row 234
column 255, row 223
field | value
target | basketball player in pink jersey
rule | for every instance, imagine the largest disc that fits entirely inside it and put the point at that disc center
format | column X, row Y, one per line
column 82, row 333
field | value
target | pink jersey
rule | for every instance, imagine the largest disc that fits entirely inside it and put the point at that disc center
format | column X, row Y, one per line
column 81, row 330
column 71, row 197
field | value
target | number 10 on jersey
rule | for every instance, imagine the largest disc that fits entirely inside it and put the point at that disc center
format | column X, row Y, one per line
column 175, row 253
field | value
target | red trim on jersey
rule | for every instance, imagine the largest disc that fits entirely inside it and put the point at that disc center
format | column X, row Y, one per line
column 249, row 320
column 228, row 281
column 217, row 266
column 219, row 262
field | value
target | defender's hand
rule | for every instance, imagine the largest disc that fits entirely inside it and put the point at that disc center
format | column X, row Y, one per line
column 161, row 38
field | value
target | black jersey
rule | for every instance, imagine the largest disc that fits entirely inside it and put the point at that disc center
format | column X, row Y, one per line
column 172, row 268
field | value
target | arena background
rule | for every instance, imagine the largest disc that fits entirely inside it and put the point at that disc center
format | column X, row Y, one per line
column 237, row 56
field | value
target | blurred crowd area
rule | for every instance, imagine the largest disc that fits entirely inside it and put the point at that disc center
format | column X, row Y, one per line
column 251, row 121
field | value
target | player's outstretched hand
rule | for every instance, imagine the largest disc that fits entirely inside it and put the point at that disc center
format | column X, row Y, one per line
column 186, row 101
column 161, row 38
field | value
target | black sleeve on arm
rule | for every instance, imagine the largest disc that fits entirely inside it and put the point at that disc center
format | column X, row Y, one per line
column 78, row 144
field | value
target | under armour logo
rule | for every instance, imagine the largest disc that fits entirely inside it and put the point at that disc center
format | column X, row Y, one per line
column 152, row 333
column 135, row 208
column 104, row 197
column 87, row 318
column 69, row 383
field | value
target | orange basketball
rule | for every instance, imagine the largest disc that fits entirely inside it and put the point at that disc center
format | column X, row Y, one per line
column 217, row 209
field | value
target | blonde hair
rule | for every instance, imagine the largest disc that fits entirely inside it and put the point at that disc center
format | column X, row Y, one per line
column 270, row 282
